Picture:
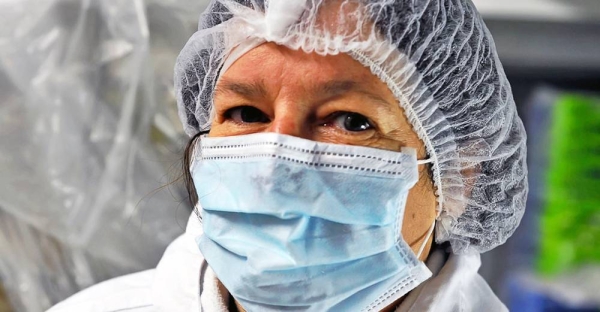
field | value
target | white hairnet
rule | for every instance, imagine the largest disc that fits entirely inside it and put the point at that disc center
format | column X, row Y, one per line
column 438, row 59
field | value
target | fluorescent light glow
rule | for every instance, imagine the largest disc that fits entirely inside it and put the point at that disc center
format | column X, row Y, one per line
column 529, row 9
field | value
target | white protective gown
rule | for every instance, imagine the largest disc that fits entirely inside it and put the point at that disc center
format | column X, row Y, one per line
column 183, row 281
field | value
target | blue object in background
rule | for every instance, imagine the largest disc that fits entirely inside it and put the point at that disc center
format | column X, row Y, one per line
column 525, row 298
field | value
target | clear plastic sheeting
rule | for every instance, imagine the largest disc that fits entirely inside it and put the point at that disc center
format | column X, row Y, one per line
column 89, row 137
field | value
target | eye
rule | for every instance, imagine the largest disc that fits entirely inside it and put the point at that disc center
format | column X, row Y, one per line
column 246, row 114
column 352, row 122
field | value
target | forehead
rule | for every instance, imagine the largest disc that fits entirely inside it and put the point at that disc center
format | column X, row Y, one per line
column 271, row 63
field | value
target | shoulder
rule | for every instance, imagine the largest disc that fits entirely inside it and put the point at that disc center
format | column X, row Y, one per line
column 131, row 292
column 454, row 286
column 174, row 285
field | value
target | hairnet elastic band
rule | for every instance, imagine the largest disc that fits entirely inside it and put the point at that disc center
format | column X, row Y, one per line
column 238, row 51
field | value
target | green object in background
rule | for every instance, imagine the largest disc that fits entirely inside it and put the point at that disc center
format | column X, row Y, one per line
column 570, row 220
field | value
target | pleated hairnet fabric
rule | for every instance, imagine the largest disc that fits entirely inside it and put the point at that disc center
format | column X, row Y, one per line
column 439, row 60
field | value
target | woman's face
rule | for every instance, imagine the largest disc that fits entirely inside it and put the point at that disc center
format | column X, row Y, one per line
column 332, row 99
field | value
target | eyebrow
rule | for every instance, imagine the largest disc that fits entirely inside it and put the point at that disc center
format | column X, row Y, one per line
column 257, row 90
column 338, row 87
column 249, row 90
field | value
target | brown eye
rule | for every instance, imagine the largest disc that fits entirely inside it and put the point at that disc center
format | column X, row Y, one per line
column 352, row 122
column 246, row 114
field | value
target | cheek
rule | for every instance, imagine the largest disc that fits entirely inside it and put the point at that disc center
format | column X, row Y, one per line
column 420, row 211
column 217, row 130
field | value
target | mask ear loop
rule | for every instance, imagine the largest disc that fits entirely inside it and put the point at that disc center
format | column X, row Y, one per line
column 432, row 227
column 424, row 161
column 429, row 233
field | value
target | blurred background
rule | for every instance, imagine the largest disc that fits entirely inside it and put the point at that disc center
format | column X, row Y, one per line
column 550, row 50
column 90, row 145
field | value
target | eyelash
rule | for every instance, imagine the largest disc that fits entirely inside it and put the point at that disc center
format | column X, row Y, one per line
column 228, row 114
column 331, row 119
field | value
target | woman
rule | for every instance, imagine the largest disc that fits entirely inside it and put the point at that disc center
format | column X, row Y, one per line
column 332, row 143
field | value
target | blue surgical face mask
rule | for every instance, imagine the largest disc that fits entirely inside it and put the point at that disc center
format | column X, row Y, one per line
column 297, row 225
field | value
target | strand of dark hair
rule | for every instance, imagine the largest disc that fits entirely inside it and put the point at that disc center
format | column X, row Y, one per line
column 188, row 156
